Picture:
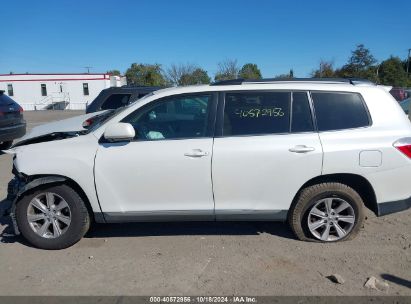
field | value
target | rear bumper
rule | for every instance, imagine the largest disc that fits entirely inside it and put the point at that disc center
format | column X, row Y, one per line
column 392, row 207
column 12, row 132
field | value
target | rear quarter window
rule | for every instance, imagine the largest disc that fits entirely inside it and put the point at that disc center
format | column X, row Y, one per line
column 338, row 111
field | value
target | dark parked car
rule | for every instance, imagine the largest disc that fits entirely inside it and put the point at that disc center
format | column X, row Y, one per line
column 117, row 97
column 12, row 124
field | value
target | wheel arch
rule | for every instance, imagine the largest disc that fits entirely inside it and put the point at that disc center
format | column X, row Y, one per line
column 38, row 181
column 359, row 183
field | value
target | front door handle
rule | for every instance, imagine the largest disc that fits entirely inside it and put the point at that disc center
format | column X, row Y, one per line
column 301, row 149
column 196, row 153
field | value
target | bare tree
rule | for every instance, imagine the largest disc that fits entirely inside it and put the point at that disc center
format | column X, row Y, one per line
column 175, row 72
column 227, row 69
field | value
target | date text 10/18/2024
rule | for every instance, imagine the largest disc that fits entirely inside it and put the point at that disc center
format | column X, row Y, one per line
column 205, row 299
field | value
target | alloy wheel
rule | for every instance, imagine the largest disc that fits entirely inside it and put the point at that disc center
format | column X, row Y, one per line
column 49, row 215
column 331, row 219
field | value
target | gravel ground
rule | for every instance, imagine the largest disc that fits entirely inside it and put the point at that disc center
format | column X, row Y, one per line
column 256, row 258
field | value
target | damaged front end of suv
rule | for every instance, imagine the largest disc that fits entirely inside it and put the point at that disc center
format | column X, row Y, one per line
column 29, row 156
column 20, row 184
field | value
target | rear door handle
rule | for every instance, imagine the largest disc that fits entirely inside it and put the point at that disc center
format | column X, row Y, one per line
column 301, row 149
column 196, row 153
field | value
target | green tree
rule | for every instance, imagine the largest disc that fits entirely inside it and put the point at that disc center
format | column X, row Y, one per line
column 325, row 70
column 250, row 71
column 391, row 72
column 405, row 65
column 145, row 75
column 198, row 76
column 114, row 72
column 361, row 59
column 361, row 64
column 227, row 69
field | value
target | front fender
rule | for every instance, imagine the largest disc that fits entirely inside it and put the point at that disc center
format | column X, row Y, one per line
column 14, row 197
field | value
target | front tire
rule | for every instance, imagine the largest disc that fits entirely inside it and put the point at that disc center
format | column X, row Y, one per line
column 52, row 217
column 327, row 212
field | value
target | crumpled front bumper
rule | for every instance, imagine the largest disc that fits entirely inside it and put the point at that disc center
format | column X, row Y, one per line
column 9, row 205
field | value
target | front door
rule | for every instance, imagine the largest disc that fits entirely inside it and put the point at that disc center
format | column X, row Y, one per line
column 266, row 150
column 165, row 173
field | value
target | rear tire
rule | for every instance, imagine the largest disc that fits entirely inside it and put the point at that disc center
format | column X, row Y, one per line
column 52, row 217
column 327, row 212
column 5, row 145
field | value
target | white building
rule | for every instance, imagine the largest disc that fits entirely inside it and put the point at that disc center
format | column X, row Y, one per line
column 59, row 91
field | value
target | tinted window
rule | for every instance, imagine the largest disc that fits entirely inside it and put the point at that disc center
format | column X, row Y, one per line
column 336, row 111
column 172, row 118
column 116, row 101
column 301, row 120
column 253, row 113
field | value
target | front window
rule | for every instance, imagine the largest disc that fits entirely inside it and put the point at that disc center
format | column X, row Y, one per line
column 172, row 118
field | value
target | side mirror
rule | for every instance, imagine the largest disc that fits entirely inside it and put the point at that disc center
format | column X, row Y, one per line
column 119, row 132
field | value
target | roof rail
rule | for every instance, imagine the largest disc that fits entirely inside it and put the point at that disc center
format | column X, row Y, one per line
column 134, row 86
column 240, row 81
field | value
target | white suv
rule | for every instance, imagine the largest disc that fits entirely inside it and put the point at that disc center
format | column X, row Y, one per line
column 313, row 152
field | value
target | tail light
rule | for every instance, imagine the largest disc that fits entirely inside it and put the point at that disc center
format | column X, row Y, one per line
column 21, row 109
column 87, row 123
column 404, row 145
column 1, row 113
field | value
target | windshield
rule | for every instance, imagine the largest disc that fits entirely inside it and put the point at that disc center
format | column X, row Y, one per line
column 140, row 99
column 98, row 120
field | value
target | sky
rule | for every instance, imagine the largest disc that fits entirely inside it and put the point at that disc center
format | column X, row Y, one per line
column 66, row 36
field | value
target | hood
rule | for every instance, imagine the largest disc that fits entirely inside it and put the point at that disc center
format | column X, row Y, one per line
column 56, row 130
column 73, row 124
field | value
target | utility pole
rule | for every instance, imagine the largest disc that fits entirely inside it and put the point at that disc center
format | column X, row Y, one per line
column 408, row 62
column 321, row 69
column 88, row 69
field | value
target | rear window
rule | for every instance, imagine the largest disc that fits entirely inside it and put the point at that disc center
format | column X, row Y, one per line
column 338, row 111
column 254, row 113
column 116, row 101
column 5, row 100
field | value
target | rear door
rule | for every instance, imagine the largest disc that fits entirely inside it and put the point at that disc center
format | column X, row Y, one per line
column 266, row 148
